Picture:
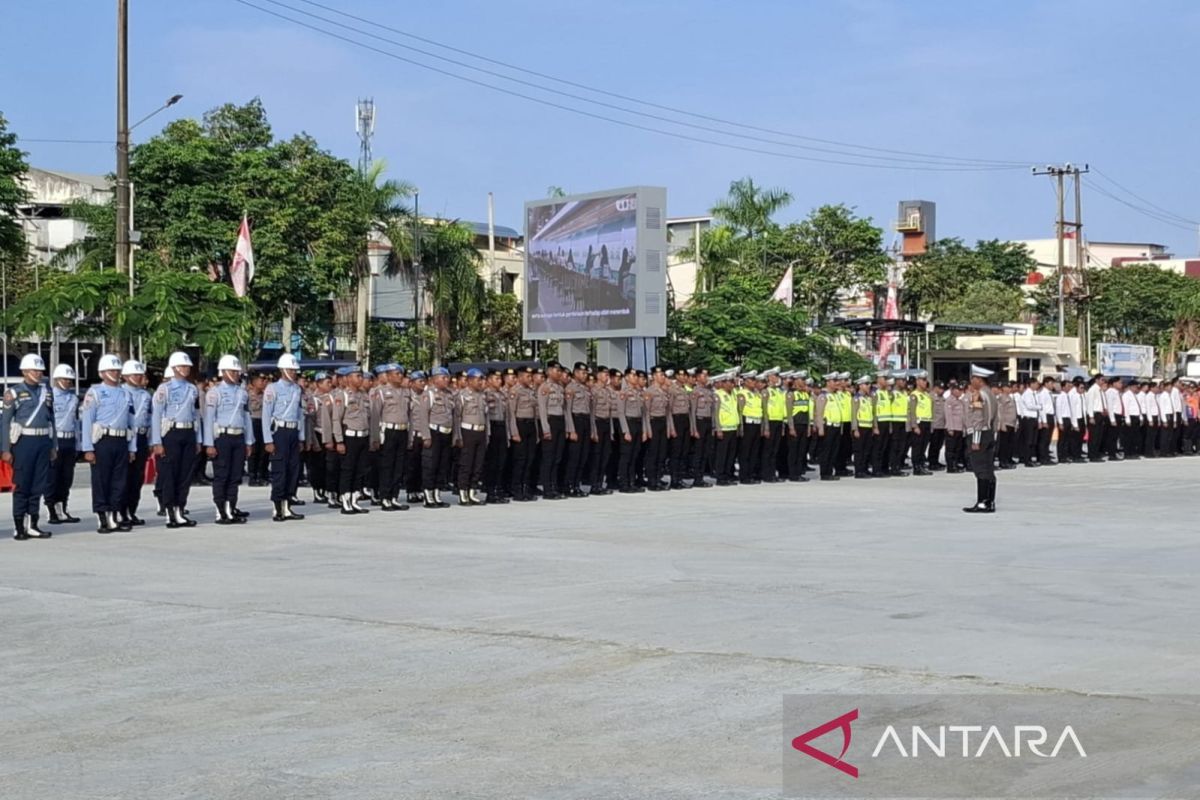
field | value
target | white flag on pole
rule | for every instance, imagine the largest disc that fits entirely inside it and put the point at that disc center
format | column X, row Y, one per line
column 242, row 270
column 783, row 292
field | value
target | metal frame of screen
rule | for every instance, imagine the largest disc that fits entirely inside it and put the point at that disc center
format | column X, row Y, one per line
column 650, row 273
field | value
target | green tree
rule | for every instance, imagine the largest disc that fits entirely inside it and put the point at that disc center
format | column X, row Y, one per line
column 938, row 277
column 834, row 252
column 381, row 202
column 748, row 208
column 450, row 266
column 990, row 302
column 12, row 193
column 1010, row 262
column 1140, row 303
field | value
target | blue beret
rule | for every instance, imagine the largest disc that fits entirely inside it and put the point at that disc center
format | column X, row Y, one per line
column 474, row 373
column 440, row 371
column 399, row 368
column 344, row 371
column 418, row 376
column 320, row 376
column 382, row 368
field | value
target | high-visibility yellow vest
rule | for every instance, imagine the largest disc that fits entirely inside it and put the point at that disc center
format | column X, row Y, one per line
column 832, row 413
column 847, row 403
column 900, row 407
column 883, row 401
column 924, row 406
column 727, row 412
column 801, row 403
column 776, row 404
column 866, row 411
column 753, row 407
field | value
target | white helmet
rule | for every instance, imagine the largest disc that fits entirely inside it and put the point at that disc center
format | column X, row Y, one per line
column 109, row 362
column 33, row 361
column 132, row 367
column 64, row 371
column 179, row 359
column 288, row 361
column 228, row 362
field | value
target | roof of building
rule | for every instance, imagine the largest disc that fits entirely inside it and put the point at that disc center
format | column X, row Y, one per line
column 879, row 325
column 689, row 220
column 98, row 182
column 481, row 229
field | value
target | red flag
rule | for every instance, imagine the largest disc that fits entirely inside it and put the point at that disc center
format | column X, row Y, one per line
column 242, row 270
column 891, row 310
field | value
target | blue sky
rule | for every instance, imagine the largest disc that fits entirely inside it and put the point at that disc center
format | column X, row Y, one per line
column 1099, row 81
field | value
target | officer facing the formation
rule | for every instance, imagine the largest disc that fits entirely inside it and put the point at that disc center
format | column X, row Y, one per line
column 108, row 445
column 229, row 437
column 175, row 436
column 471, row 437
column 66, row 427
column 134, row 373
column 29, row 444
column 283, row 436
column 982, row 416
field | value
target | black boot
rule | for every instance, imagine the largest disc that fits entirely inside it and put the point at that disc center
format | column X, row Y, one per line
column 66, row 515
column 102, row 523
column 280, row 515
column 296, row 501
column 288, row 513
column 223, row 517
column 117, row 524
column 980, row 495
column 182, row 518
column 31, row 528
column 54, row 518
column 19, row 532
column 430, row 500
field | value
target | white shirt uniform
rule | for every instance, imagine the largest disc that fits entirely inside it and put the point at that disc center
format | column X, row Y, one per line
column 1129, row 401
column 1112, row 402
column 1075, row 403
column 1149, row 407
column 1045, row 402
column 1062, row 407
column 1093, row 401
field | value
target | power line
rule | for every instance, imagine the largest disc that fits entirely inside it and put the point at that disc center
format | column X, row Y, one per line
column 647, row 103
column 1142, row 210
column 67, row 141
column 920, row 167
column 1135, row 195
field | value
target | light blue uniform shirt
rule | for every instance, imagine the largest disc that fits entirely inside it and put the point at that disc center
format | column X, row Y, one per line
column 141, row 401
column 176, row 402
column 227, row 405
column 105, row 406
column 283, row 401
column 66, row 413
column 30, row 406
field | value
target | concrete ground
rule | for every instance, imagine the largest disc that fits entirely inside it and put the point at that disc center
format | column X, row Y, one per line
column 619, row 647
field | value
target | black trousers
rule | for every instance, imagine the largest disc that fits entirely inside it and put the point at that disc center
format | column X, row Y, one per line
column 552, row 453
column 1043, row 440
column 137, row 474
column 770, row 449
column 257, row 466
column 109, row 473
column 899, row 446
column 495, row 458
column 391, row 458
column 748, row 451
column 920, row 442
column 656, row 451
column 470, row 459
column 701, row 448
column 937, row 438
column 627, row 467
column 353, row 469
column 954, row 450
column 982, row 463
column 798, row 451
column 62, row 473
column 1027, row 433
column 601, row 453
column 522, row 457
column 285, row 465
column 435, row 460
column 1166, row 439
column 31, row 474
column 863, row 445
column 314, row 469
column 845, row 450
column 1112, row 435
column 831, row 444
column 882, row 457
column 229, row 467
column 333, row 467
column 1135, row 436
column 577, row 451
column 176, row 466
column 1096, row 434
column 1004, row 446
column 681, row 465
column 1066, row 440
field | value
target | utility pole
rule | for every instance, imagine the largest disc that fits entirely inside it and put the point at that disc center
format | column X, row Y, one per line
column 364, row 126
column 1059, row 174
column 122, row 211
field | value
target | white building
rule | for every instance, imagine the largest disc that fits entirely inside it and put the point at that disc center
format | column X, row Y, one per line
column 45, row 216
column 681, row 273
column 1103, row 255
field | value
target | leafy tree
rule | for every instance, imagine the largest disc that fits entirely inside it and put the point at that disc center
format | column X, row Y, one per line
column 1010, row 262
column 748, row 208
column 990, row 302
column 937, row 280
column 12, row 193
column 1140, row 303
column 835, row 253
column 450, row 266
column 498, row 336
column 381, row 202
column 240, row 128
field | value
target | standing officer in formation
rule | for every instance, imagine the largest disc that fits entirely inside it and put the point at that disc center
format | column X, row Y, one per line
column 982, row 420
column 229, row 436
column 141, row 402
column 702, row 412
column 30, row 445
column 556, row 428
column 351, row 432
column 471, row 436
column 863, row 427
column 501, row 427
column 175, row 436
column 283, row 437
column 66, row 426
column 108, row 444
column 578, row 401
column 437, row 436
column 391, row 402
column 523, row 402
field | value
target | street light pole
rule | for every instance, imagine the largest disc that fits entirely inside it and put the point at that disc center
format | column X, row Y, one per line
column 122, row 214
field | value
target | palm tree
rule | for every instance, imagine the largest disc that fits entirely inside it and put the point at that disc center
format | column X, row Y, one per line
column 748, row 208
column 450, row 267
column 382, row 203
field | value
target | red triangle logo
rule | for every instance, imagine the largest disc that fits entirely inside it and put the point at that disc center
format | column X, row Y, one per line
column 801, row 743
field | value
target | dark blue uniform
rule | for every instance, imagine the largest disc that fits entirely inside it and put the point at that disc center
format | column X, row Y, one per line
column 283, row 427
column 62, row 471
column 227, row 428
column 27, row 426
column 141, row 401
column 106, row 424
column 175, row 426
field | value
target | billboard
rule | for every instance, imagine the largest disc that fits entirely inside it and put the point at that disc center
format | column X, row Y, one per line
column 595, row 265
column 1136, row 360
